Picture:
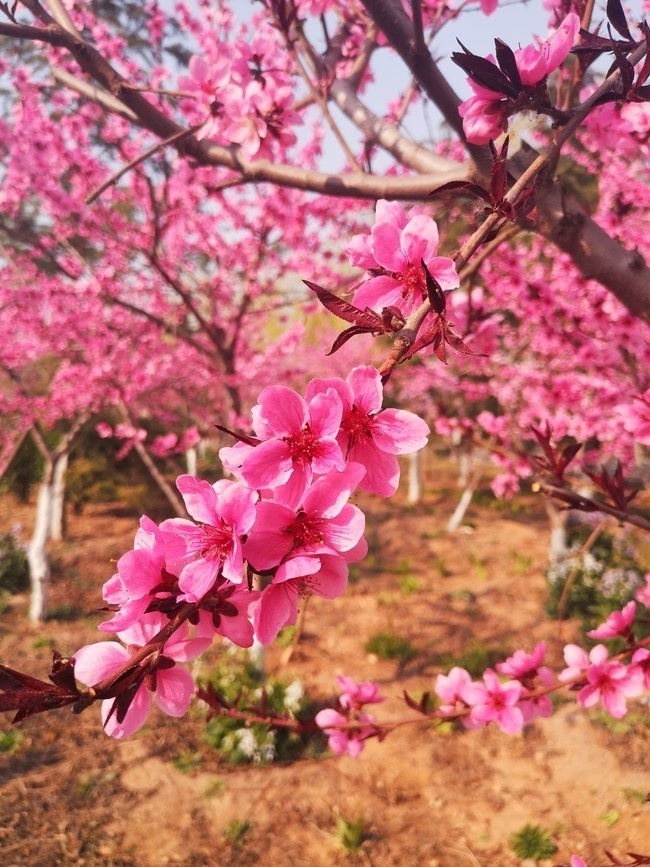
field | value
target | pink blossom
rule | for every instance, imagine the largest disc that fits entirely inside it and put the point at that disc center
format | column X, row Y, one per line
column 200, row 553
column 449, row 687
column 355, row 695
column 577, row 861
column 300, row 575
column 527, row 668
column 494, row 701
column 485, row 115
column 608, row 681
column 298, row 441
column 324, row 523
column 641, row 661
column 345, row 741
column 170, row 686
column 214, row 94
column 535, row 62
column 636, row 417
column 368, row 435
column 617, row 624
column 140, row 573
column 396, row 247
column 643, row 594
column 226, row 612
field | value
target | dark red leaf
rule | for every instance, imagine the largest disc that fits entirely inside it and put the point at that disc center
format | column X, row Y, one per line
column 344, row 336
column 367, row 318
column 485, row 73
column 617, row 17
column 242, row 438
column 434, row 291
column 462, row 186
column 506, row 60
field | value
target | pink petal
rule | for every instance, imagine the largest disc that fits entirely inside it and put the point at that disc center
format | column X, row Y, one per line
column 200, row 498
column 325, row 411
column 269, row 542
column 268, row 465
column 197, row 578
column 278, row 607
column 344, row 531
column 284, row 411
column 378, row 292
column 419, row 239
column 386, row 247
column 399, row 432
column 174, row 691
column 367, row 389
column 135, row 717
column 237, row 507
column 95, row 662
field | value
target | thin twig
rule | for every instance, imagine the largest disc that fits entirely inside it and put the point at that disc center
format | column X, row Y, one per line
column 178, row 136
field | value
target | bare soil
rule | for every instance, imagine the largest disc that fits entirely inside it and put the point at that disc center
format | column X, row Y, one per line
column 70, row 795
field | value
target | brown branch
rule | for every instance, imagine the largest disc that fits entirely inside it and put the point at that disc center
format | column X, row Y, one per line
column 577, row 501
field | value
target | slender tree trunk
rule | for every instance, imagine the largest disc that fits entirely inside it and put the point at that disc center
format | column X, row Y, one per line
column 170, row 494
column 558, row 541
column 463, row 504
column 160, row 480
column 414, row 494
column 57, row 512
column 52, row 485
column 39, row 566
column 191, row 460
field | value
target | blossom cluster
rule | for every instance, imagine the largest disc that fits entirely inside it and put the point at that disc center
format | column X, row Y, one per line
column 396, row 255
column 512, row 696
column 283, row 524
column 485, row 114
column 240, row 95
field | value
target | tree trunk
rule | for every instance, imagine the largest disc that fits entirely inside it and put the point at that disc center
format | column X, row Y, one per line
column 160, row 480
column 191, row 462
column 57, row 512
column 463, row 504
column 39, row 567
column 558, row 541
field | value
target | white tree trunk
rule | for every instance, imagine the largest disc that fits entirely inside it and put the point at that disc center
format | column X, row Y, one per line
column 191, row 462
column 463, row 504
column 414, row 494
column 58, row 496
column 39, row 567
column 558, row 542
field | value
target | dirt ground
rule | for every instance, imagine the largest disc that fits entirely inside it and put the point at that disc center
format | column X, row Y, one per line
column 70, row 795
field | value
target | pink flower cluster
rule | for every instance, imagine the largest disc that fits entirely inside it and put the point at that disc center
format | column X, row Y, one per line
column 241, row 96
column 285, row 519
column 485, row 115
column 348, row 728
column 393, row 254
column 509, row 704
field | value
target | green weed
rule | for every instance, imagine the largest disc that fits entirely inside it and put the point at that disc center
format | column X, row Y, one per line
column 237, row 831
column 409, row 585
column 532, row 842
column 10, row 742
column 350, row 834
column 187, row 761
column 386, row 645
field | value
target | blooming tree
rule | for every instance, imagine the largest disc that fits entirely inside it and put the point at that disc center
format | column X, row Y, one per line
column 193, row 191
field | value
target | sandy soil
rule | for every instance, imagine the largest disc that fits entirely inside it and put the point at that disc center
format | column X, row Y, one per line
column 70, row 795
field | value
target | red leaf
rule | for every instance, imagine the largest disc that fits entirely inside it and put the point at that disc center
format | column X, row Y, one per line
column 367, row 318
